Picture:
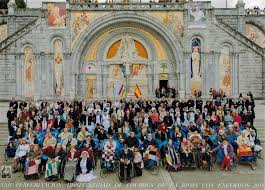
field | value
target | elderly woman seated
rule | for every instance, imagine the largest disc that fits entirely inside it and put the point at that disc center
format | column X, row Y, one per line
column 49, row 144
column 81, row 136
column 243, row 145
column 71, row 163
column 187, row 148
column 108, row 154
column 32, row 162
column 64, row 136
column 21, row 152
column 53, row 165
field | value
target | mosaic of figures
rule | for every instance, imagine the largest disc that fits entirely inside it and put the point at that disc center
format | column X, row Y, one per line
column 81, row 20
column 172, row 20
column 58, row 68
column 56, row 15
column 255, row 34
column 197, row 16
column 127, row 52
column 225, row 70
column 195, row 67
column 3, row 32
column 29, row 70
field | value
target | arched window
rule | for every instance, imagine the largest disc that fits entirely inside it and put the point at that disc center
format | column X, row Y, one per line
column 195, row 67
column 29, row 72
column 58, row 68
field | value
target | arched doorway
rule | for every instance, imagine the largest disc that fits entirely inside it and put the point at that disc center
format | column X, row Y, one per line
column 149, row 45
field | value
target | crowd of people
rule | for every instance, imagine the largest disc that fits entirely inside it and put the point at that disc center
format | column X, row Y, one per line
column 67, row 138
column 165, row 92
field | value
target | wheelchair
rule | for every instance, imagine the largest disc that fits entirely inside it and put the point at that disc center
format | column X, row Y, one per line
column 31, row 169
column 125, row 177
column 108, row 167
column 206, row 161
column 186, row 162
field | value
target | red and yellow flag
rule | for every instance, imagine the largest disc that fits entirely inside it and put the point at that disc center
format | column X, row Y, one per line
column 137, row 91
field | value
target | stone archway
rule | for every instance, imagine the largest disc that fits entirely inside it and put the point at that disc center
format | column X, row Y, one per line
column 140, row 21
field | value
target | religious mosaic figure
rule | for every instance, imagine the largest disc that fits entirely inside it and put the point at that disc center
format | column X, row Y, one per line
column 58, row 68
column 174, row 23
column 81, row 20
column 57, row 14
column 196, row 66
column 128, row 67
column 255, row 34
column 3, row 32
column 197, row 16
column 29, row 68
column 224, row 70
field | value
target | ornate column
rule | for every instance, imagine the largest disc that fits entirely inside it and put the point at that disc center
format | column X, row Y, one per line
column 150, row 79
column 156, row 75
column 19, row 60
column 185, row 76
column 39, row 78
column 216, row 59
column 105, row 76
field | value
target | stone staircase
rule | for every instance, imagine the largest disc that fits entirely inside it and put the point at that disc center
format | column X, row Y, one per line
column 3, row 134
column 240, row 37
column 18, row 34
column 259, row 122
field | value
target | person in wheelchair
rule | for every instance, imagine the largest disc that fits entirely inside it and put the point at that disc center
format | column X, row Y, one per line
column 172, row 156
column 21, row 152
column 187, row 148
column 108, row 154
column 243, row 145
column 126, row 159
column 254, row 143
column 33, row 160
column 204, row 154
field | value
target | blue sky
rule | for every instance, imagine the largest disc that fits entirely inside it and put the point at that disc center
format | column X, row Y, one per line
column 215, row 3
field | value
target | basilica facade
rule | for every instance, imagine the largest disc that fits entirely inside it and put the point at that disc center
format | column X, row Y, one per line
column 92, row 50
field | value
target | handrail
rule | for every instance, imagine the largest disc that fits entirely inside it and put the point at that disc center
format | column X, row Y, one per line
column 247, row 42
column 8, row 41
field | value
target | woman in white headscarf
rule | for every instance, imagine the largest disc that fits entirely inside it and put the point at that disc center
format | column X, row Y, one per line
column 84, row 168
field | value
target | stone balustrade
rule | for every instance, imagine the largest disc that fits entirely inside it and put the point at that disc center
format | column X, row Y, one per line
column 165, row 4
column 3, row 12
column 255, row 11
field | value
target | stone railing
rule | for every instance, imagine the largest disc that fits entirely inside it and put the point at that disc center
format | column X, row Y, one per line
column 3, row 12
column 80, row 4
column 240, row 37
column 255, row 12
column 19, row 33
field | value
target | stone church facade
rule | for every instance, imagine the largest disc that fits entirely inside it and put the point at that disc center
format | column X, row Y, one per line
column 86, row 50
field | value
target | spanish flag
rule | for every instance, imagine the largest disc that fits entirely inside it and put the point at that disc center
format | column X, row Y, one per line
column 137, row 91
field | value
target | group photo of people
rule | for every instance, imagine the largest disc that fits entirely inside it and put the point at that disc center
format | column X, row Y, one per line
column 70, row 140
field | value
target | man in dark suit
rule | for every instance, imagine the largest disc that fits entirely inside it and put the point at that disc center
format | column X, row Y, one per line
column 59, row 123
column 13, row 104
column 199, row 104
column 190, row 103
